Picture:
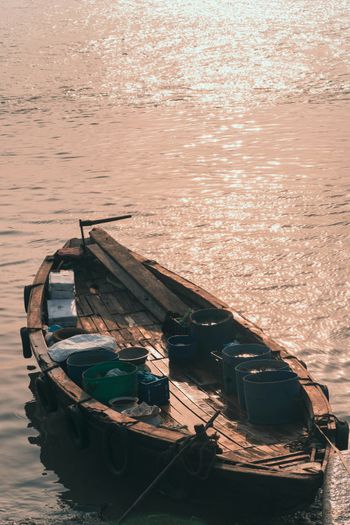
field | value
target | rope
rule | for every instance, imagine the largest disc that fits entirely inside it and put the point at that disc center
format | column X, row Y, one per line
column 336, row 450
column 199, row 458
column 186, row 442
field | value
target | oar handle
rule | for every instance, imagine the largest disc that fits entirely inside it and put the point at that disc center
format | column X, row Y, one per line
column 99, row 221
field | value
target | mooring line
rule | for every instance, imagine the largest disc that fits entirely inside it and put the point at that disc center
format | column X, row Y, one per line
column 336, row 450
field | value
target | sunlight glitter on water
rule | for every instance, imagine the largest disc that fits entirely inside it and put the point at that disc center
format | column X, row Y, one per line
column 222, row 128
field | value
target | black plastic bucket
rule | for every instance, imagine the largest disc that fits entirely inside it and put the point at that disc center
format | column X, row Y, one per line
column 211, row 328
column 181, row 348
column 65, row 333
column 272, row 398
column 255, row 366
column 233, row 355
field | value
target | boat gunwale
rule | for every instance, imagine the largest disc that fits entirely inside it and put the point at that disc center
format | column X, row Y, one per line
column 76, row 395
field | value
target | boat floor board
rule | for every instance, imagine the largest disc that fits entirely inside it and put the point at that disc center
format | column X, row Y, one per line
column 127, row 296
column 194, row 394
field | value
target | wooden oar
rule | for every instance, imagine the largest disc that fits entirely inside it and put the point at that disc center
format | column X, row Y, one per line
column 189, row 440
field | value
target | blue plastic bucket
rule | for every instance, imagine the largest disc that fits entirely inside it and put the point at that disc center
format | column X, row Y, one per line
column 78, row 362
column 272, row 398
column 233, row 355
column 255, row 366
column 181, row 348
column 212, row 328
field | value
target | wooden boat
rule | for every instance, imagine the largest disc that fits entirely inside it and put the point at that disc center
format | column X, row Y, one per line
column 120, row 293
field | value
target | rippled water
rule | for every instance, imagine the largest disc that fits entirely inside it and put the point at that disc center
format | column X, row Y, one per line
column 223, row 127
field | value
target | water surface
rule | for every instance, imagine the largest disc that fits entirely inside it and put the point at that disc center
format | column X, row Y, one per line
column 224, row 129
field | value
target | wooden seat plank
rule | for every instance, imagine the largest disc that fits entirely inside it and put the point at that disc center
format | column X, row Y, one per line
column 138, row 291
column 155, row 288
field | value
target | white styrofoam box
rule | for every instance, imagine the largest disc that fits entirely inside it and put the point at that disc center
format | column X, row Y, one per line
column 62, row 294
column 62, row 279
column 61, row 285
column 62, row 311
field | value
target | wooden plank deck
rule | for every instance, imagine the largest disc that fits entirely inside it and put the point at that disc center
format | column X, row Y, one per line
column 115, row 310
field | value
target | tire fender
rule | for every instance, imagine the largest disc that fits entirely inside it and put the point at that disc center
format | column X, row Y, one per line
column 26, row 348
column 342, row 434
column 303, row 363
column 325, row 391
column 46, row 394
column 116, row 449
column 26, row 296
column 78, row 427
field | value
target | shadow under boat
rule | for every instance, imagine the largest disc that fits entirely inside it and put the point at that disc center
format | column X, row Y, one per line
column 90, row 488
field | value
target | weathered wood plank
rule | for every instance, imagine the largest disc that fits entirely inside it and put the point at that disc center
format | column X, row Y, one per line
column 86, row 323
column 197, row 405
column 119, row 338
column 315, row 400
column 100, row 325
column 151, row 332
column 112, row 304
column 122, row 256
column 129, row 303
column 179, row 410
column 44, row 270
column 189, row 290
column 144, row 297
column 143, row 319
column 154, row 353
column 98, row 307
column 83, row 305
column 34, row 315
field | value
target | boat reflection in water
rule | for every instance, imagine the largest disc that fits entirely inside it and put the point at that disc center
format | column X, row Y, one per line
column 90, row 489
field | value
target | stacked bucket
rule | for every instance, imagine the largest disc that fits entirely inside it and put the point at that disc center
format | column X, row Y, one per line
column 263, row 386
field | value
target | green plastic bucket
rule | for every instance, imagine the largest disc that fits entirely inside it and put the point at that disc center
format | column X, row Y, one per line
column 104, row 388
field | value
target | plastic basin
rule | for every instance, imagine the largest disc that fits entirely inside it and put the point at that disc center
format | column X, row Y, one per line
column 181, row 348
column 104, row 388
column 136, row 355
column 212, row 328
